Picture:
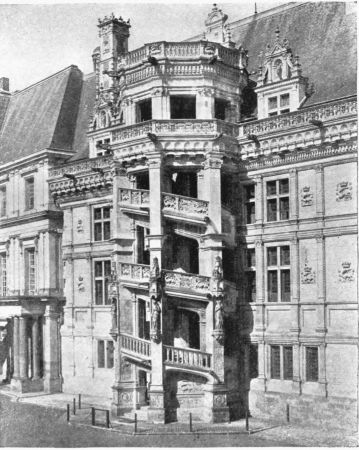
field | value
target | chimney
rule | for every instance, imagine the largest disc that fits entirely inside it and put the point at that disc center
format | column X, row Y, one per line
column 4, row 84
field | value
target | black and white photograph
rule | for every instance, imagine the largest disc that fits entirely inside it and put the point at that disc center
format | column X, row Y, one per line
column 178, row 224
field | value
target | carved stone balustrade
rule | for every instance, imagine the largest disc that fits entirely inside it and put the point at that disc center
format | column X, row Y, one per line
column 186, row 281
column 187, row 357
column 81, row 184
column 184, row 206
column 300, row 118
column 183, row 50
column 135, row 345
column 134, row 197
column 74, row 168
column 175, row 127
column 136, row 272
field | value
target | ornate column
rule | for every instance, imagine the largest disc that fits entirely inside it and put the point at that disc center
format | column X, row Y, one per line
column 35, row 348
column 293, row 194
column 16, row 348
column 23, row 348
column 259, row 199
column 52, row 379
column 319, row 183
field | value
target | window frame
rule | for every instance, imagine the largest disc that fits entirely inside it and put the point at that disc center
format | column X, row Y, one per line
column 279, row 268
column 30, row 270
column 3, row 274
column 139, row 103
column 250, row 273
column 102, row 221
column 249, row 202
column 183, row 96
column 29, row 181
column 278, row 197
column 105, row 358
column 3, row 200
column 307, row 365
column 283, row 369
column 103, row 279
column 102, row 151
column 278, row 109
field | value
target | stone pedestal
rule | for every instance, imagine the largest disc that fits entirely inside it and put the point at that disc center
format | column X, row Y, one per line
column 123, row 400
column 156, row 412
column 216, row 409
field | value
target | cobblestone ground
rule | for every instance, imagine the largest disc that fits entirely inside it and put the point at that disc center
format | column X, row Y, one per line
column 23, row 424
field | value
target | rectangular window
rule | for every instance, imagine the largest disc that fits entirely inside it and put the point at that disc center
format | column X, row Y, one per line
column 311, row 363
column 273, row 103
column 288, row 363
column 279, row 105
column 250, row 203
column 102, row 147
column 275, row 361
column 144, row 110
column 250, row 275
column 2, row 201
column 284, row 100
column 183, row 107
column 277, row 200
column 220, row 107
column 30, row 271
column 102, row 224
column 3, row 275
column 29, row 193
column 105, row 354
column 102, row 273
column 253, row 360
column 278, row 273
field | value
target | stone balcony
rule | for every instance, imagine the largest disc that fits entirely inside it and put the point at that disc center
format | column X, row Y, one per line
column 134, row 200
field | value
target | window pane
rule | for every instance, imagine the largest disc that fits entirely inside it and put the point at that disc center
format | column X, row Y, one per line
column 107, row 268
column 98, row 231
column 107, row 299
column 250, row 191
column 183, row 107
column 284, row 208
column 288, row 363
column 3, row 202
column 109, row 348
column 98, row 269
column 285, row 285
column 3, row 281
column 275, row 361
column 98, row 292
column 284, row 256
column 251, row 257
column 284, row 100
column 106, row 231
column 250, row 286
column 272, row 256
column 106, row 213
column 220, row 106
column 271, row 188
column 100, row 354
column 272, row 286
column 251, row 213
column 272, row 103
column 29, row 193
column 312, row 363
column 284, row 186
column 273, row 114
column 272, row 210
column 97, row 213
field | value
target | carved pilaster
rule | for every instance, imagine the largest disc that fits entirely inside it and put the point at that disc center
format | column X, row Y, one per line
column 321, row 293
column 293, row 194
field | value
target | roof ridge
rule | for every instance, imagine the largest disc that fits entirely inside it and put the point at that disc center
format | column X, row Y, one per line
column 68, row 68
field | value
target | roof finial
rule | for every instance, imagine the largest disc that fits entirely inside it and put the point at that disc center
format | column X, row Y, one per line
column 255, row 8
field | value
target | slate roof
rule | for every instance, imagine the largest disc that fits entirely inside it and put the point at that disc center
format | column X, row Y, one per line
column 42, row 116
column 322, row 34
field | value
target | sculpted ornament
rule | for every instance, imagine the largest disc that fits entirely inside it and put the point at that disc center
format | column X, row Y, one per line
column 344, row 191
column 346, row 273
column 307, row 275
column 80, row 284
column 306, row 196
column 155, row 320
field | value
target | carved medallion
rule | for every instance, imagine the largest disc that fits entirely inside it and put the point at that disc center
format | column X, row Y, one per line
column 344, row 191
column 307, row 275
column 346, row 273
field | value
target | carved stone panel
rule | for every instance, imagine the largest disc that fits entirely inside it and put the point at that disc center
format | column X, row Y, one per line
column 344, row 191
column 346, row 272
column 306, row 196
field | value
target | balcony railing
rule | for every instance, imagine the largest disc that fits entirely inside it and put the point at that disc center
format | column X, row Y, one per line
column 187, row 357
column 136, row 345
column 184, row 205
column 190, row 281
column 181, row 50
column 175, row 127
column 138, row 272
column 137, row 197
column 299, row 118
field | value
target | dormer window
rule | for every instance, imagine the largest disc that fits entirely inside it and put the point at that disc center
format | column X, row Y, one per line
column 278, row 105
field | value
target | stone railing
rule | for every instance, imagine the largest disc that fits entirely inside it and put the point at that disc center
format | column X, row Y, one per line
column 129, row 271
column 184, row 205
column 81, row 184
column 135, row 345
column 137, row 197
column 190, row 281
column 175, row 126
column 187, row 357
column 182, row 50
column 81, row 167
column 278, row 123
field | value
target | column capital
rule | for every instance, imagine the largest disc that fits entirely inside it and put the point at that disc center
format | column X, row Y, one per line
column 318, row 168
column 320, row 238
column 214, row 160
column 293, row 172
column 258, row 243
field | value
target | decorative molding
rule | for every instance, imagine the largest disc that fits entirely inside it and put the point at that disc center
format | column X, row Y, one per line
column 344, row 191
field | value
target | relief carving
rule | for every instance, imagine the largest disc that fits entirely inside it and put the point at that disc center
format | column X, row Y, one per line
column 346, row 273
column 189, row 387
column 220, row 401
column 344, row 191
column 80, row 284
column 307, row 275
column 306, row 196
column 80, row 227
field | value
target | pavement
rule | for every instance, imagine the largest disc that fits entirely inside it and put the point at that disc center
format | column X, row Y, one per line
column 51, row 414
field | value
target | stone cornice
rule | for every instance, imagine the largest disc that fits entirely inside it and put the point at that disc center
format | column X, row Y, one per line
column 77, row 167
column 30, row 218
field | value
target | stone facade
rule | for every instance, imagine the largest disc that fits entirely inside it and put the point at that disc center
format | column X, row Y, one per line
column 209, row 259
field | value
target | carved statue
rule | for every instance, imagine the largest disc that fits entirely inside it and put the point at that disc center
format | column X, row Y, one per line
column 217, row 273
column 218, row 315
column 155, row 318
column 114, row 313
column 155, row 270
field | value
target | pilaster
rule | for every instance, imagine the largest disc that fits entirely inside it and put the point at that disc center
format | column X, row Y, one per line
column 52, row 379
column 259, row 200
column 293, row 194
column 319, row 183
column 321, row 294
column 295, row 286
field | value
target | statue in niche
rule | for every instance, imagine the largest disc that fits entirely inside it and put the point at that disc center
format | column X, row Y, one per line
column 114, row 313
column 278, row 69
column 218, row 314
column 155, row 270
column 217, row 273
column 155, row 319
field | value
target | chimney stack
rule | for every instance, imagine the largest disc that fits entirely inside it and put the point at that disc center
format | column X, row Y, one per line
column 4, row 84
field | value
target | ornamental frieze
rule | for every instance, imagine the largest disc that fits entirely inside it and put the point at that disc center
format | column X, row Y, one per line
column 346, row 272
column 306, row 196
column 344, row 191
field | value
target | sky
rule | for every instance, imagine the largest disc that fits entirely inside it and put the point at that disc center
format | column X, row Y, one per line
column 37, row 40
